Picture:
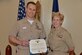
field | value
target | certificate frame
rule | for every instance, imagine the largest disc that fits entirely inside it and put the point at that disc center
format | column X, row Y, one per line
column 37, row 46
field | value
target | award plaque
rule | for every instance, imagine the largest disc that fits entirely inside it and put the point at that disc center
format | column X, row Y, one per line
column 37, row 46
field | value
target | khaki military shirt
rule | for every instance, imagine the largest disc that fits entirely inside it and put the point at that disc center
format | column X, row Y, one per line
column 60, row 41
column 23, row 30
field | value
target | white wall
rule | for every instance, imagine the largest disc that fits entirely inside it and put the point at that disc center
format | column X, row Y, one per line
column 72, row 9
column 8, row 14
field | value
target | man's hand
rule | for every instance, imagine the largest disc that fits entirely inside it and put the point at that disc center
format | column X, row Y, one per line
column 24, row 43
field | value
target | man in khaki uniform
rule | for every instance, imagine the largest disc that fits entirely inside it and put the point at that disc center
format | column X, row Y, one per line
column 59, row 39
column 27, row 29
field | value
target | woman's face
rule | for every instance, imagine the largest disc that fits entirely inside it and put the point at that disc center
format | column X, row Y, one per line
column 56, row 22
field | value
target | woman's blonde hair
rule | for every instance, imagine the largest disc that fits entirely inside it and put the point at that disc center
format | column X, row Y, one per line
column 58, row 14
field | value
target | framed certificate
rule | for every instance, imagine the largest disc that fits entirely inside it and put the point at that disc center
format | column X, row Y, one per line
column 37, row 46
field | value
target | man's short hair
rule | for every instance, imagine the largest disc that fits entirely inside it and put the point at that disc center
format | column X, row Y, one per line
column 31, row 2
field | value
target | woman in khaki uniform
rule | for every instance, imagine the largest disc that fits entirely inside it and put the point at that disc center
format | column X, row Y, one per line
column 26, row 29
column 59, row 39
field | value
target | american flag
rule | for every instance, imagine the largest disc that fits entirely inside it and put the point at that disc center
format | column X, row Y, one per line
column 21, row 10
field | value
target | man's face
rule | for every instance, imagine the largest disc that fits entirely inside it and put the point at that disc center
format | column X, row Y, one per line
column 31, row 10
